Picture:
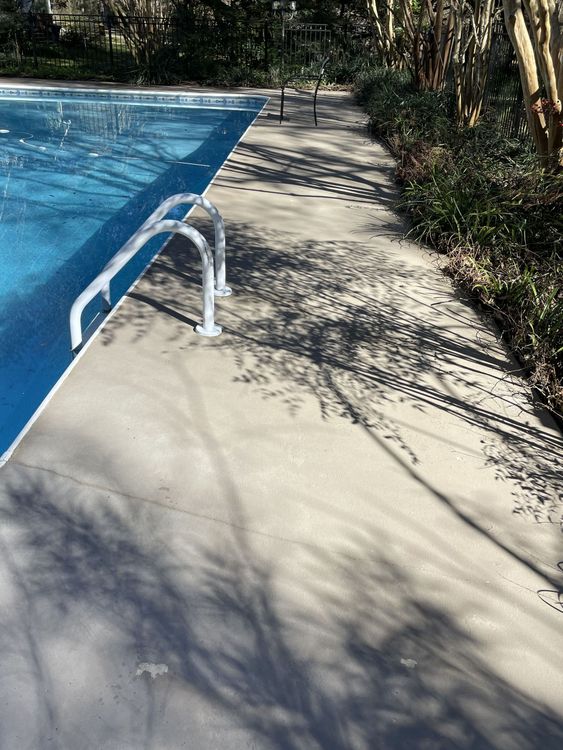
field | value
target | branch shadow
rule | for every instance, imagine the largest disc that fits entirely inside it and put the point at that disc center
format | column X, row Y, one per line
column 375, row 339
column 370, row 663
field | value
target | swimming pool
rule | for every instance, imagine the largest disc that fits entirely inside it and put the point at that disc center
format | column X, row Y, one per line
column 80, row 170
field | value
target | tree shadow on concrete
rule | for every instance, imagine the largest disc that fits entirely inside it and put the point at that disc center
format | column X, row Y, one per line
column 111, row 582
column 375, row 337
column 318, row 175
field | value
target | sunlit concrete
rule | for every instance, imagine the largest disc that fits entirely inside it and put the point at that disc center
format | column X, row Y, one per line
column 336, row 525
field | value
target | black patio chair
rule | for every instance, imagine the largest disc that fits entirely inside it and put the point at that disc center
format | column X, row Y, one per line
column 305, row 77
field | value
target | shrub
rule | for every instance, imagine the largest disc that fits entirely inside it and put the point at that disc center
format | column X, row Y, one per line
column 485, row 201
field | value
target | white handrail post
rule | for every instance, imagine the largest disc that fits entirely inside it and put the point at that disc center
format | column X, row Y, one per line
column 221, row 288
column 209, row 328
column 193, row 199
column 146, row 232
column 106, row 298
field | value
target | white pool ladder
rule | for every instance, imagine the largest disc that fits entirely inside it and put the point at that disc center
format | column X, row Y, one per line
column 213, row 274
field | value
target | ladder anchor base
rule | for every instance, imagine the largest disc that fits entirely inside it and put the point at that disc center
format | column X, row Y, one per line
column 215, row 331
column 226, row 291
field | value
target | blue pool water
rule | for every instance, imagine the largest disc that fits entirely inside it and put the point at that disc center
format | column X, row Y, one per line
column 79, row 172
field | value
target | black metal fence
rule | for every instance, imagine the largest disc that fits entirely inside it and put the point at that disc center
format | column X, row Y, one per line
column 171, row 49
column 503, row 102
column 305, row 43
column 99, row 46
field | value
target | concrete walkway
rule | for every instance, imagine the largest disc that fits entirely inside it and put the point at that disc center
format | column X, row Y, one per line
column 335, row 527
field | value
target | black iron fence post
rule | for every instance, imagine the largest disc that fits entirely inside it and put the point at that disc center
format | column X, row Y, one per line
column 32, row 28
column 110, row 41
column 282, row 56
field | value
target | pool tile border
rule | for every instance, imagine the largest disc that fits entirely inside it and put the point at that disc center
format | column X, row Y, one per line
column 234, row 101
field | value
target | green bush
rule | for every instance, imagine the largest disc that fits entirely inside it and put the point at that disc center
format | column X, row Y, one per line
column 401, row 114
column 484, row 201
column 11, row 27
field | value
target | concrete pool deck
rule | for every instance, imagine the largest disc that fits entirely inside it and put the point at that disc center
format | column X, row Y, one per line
column 334, row 526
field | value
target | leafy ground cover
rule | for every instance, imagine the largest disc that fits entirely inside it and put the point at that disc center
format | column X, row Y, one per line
column 202, row 72
column 484, row 201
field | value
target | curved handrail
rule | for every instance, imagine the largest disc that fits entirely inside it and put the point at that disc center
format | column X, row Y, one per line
column 134, row 244
column 323, row 64
column 221, row 289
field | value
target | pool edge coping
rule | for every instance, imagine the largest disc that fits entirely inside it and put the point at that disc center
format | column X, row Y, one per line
column 8, row 453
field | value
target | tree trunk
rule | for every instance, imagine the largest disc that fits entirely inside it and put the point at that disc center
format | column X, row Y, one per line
column 520, row 38
column 472, row 46
column 541, row 68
